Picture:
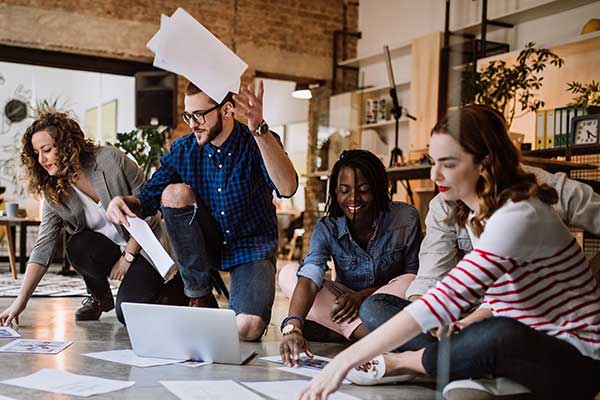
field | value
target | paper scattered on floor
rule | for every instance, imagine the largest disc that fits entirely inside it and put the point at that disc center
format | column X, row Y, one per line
column 310, row 369
column 34, row 346
column 128, row 357
column 194, row 364
column 55, row 381
column 209, row 390
column 288, row 390
column 8, row 332
column 176, row 47
column 6, row 398
column 141, row 232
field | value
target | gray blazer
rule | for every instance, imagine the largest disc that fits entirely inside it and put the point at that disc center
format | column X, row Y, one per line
column 112, row 174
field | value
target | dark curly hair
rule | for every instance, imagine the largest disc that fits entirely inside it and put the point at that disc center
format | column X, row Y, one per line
column 375, row 174
column 75, row 153
column 481, row 132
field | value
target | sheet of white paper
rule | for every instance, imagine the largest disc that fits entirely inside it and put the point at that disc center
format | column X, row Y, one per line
column 34, row 346
column 288, row 390
column 55, row 381
column 8, row 332
column 209, row 390
column 185, row 47
column 154, row 44
column 141, row 232
column 194, row 364
column 128, row 357
column 6, row 398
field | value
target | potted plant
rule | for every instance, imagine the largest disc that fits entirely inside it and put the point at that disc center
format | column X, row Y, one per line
column 586, row 96
column 504, row 87
column 145, row 145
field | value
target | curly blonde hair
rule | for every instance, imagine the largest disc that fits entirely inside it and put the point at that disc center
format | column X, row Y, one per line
column 74, row 154
column 481, row 132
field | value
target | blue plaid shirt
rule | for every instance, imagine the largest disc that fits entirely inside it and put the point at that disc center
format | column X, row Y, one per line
column 233, row 183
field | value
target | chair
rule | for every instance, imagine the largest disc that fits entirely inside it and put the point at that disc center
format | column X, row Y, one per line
column 218, row 283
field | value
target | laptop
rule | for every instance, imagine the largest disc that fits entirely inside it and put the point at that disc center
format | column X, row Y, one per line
column 184, row 333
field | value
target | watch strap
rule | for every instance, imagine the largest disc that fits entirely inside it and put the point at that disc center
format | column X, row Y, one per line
column 128, row 256
column 290, row 317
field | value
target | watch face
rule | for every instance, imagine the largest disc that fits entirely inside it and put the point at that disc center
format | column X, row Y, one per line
column 586, row 131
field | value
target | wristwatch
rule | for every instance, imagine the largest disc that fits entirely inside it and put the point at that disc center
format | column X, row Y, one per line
column 289, row 329
column 128, row 256
column 262, row 129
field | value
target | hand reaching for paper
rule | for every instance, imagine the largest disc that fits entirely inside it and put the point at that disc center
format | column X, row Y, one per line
column 249, row 104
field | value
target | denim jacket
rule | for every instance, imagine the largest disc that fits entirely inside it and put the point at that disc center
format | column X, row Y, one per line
column 392, row 251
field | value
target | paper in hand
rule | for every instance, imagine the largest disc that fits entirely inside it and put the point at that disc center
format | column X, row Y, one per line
column 184, row 46
column 141, row 232
column 8, row 332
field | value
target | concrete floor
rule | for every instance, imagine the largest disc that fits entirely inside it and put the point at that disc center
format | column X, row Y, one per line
column 53, row 319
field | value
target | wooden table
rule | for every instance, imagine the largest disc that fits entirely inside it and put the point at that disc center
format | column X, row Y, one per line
column 7, row 222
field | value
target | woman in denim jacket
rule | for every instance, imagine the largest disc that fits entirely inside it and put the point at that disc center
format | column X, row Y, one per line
column 374, row 244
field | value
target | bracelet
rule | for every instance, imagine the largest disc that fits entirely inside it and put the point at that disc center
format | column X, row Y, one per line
column 290, row 317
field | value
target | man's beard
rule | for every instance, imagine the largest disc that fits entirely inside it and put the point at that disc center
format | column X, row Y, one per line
column 212, row 132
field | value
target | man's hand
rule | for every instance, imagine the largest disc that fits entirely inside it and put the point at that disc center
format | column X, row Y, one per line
column 249, row 105
column 346, row 307
column 119, row 270
column 291, row 347
column 120, row 207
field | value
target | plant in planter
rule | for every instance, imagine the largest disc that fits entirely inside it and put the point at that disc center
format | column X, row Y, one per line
column 586, row 96
column 145, row 145
column 504, row 87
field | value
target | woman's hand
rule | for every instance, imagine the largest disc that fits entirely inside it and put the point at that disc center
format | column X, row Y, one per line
column 346, row 307
column 12, row 313
column 291, row 347
column 119, row 269
column 327, row 382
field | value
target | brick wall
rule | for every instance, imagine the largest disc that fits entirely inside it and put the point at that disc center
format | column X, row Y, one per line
column 288, row 37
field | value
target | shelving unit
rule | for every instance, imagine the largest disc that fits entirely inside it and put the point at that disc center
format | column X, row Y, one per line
column 397, row 50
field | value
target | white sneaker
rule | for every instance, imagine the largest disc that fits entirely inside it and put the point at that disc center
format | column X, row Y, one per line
column 372, row 373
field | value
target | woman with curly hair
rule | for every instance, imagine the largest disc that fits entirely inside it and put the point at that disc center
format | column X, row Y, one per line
column 77, row 180
column 539, row 323
column 374, row 243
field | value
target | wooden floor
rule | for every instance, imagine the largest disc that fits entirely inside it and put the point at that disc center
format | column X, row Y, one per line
column 53, row 319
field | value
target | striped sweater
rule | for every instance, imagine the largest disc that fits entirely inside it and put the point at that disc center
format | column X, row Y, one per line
column 527, row 266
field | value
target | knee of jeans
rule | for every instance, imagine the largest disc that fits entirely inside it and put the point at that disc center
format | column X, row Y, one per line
column 78, row 245
column 369, row 309
column 287, row 279
column 497, row 333
column 250, row 327
column 177, row 195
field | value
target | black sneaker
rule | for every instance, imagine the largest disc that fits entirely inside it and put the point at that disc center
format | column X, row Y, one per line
column 92, row 308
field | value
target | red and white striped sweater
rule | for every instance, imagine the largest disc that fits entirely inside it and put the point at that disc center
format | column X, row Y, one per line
column 530, row 268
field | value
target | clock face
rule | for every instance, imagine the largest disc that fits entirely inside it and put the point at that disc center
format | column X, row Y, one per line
column 586, row 131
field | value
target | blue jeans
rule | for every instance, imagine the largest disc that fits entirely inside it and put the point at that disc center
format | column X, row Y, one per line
column 503, row 347
column 196, row 240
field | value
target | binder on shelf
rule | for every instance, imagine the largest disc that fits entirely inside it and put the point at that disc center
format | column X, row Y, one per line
column 549, row 131
column 540, row 129
column 561, row 120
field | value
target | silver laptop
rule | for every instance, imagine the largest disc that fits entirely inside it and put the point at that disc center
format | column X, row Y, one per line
column 183, row 333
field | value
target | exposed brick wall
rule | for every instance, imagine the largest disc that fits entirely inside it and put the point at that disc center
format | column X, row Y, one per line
column 289, row 37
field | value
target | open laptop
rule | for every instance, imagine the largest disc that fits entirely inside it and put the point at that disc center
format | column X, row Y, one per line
column 183, row 333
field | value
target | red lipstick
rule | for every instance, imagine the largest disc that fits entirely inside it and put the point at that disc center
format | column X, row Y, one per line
column 443, row 188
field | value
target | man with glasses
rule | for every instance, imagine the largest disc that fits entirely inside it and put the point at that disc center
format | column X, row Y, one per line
column 215, row 187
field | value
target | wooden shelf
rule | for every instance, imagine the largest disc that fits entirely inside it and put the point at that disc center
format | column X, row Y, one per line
column 380, row 124
column 561, row 152
column 400, row 49
column 524, row 15
column 319, row 174
column 399, row 86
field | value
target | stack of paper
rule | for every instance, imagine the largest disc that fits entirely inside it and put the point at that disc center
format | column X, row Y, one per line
column 185, row 47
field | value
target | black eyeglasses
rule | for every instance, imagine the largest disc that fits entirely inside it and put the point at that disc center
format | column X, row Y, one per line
column 198, row 117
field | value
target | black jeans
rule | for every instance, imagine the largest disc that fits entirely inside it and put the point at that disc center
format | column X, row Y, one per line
column 503, row 347
column 93, row 255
